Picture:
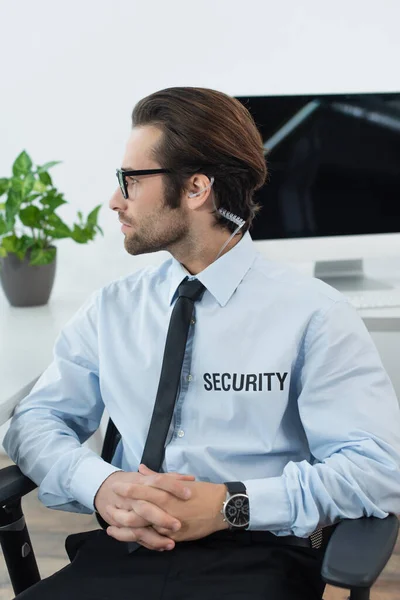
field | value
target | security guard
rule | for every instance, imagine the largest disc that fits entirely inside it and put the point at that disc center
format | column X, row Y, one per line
column 284, row 420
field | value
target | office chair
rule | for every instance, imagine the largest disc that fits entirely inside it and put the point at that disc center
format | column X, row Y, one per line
column 354, row 556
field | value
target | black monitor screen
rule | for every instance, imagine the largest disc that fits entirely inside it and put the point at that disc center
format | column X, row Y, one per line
column 333, row 162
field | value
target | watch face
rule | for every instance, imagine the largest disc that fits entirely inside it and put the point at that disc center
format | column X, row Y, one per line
column 237, row 510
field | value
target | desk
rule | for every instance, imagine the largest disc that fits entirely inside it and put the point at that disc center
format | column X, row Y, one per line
column 27, row 335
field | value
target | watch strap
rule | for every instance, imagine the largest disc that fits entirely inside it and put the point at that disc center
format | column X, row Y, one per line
column 235, row 487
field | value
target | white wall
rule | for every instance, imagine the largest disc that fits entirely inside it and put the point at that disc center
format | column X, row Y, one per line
column 72, row 71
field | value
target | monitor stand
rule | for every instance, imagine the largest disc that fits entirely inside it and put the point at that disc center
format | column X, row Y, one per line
column 347, row 276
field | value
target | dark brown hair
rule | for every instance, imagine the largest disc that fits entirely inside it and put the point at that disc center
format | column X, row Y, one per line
column 208, row 132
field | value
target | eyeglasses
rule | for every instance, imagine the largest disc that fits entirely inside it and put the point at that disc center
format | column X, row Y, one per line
column 121, row 176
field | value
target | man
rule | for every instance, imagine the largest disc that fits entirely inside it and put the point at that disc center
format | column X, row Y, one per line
column 281, row 390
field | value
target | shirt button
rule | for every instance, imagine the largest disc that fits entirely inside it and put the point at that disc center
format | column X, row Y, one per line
column 181, row 433
column 190, row 378
column 193, row 321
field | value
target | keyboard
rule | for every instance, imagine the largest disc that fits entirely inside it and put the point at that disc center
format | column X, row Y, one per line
column 374, row 299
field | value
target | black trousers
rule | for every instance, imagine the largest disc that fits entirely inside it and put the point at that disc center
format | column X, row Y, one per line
column 222, row 566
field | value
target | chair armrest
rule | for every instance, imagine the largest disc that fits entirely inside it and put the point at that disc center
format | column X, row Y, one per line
column 358, row 551
column 14, row 484
column 8, row 405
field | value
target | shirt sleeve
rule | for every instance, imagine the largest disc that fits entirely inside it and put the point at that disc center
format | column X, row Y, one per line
column 62, row 411
column 351, row 418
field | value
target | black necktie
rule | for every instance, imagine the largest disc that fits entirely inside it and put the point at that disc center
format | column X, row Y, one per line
column 174, row 352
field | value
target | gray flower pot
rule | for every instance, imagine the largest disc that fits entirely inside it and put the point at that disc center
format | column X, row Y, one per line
column 24, row 284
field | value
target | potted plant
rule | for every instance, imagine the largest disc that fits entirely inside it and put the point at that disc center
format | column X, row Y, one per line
column 28, row 227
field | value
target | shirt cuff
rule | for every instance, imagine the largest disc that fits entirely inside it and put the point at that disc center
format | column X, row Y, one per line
column 87, row 478
column 269, row 505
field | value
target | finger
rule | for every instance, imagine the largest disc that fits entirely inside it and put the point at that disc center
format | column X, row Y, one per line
column 155, row 516
column 161, row 481
column 152, row 489
column 143, row 514
column 154, row 540
column 146, row 536
column 124, row 518
column 162, row 530
column 108, row 517
column 143, row 470
column 126, row 505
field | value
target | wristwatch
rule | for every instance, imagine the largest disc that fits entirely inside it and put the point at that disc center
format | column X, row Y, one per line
column 236, row 508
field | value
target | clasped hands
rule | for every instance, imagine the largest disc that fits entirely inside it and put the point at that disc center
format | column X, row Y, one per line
column 158, row 509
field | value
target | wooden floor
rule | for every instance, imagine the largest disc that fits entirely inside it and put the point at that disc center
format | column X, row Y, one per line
column 49, row 528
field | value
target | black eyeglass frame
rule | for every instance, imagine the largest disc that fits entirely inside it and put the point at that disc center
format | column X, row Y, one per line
column 122, row 174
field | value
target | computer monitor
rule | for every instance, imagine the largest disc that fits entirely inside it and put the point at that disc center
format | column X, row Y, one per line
column 333, row 191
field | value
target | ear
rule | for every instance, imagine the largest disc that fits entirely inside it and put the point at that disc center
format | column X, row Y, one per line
column 198, row 189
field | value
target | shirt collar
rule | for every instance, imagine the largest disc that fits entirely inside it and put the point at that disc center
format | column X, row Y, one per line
column 223, row 276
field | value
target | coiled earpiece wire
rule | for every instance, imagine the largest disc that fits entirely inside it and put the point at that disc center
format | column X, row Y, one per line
column 235, row 219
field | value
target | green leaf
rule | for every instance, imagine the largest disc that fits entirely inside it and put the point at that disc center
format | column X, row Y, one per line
column 99, row 229
column 58, row 233
column 29, row 182
column 10, row 243
column 4, row 184
column 10, row 221
column 3, row 226
column 12, row 207
column 23, row 186
column 22, row 164
column 17, row 185
column 92, row 217
column 40, row 187
column 3, row 252
column 52, row 201
column 26, row 242
column 48, row 166
column 55, row 221
column 30, row 216
column 32, row 197
column 18, row 246
column 45, row 178
column 55, row 227
column 80, row 234
column 40, row 256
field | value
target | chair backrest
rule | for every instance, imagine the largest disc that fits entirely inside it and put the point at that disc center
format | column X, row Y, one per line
column 110, row 444
column 111, row 440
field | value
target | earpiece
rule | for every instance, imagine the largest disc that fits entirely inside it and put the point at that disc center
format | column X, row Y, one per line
column 194, row 194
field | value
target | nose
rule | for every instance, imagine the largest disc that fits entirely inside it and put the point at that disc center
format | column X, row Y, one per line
column 117, row 201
